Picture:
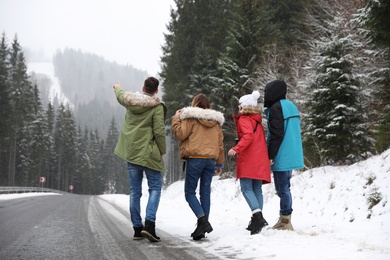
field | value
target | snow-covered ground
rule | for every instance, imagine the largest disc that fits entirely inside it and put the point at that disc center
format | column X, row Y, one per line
column 334, row 215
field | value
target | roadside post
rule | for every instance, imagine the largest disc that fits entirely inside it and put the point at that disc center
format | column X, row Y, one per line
column 42, row 180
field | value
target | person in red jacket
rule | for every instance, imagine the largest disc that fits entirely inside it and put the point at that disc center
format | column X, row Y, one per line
column 252, row 166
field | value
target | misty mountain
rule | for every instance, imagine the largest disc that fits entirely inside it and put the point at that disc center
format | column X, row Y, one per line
column 86, row 80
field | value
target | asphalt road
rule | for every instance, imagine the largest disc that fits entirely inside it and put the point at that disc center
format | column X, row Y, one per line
column 80, row 227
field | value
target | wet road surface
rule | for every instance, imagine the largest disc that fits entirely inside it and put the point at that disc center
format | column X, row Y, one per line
column 80, row 227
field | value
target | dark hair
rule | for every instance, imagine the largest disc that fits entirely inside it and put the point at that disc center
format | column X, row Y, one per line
column 201, row 100
column 151, row 85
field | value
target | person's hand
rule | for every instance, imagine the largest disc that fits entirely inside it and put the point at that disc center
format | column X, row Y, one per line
column 178, row 112
column 271, row 162
column 218, row 171
column 117, row 85
column 231, row 152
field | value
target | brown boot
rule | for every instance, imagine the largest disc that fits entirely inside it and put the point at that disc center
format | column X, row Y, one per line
column 284, row 223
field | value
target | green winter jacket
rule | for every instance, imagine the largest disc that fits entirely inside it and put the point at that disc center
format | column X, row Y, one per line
column 142, row 139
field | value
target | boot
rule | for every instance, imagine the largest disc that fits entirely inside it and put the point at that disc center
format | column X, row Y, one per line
column 284, row 223
column 250, row 225
column 257, row 223
column 137, row 233
column 203, row 226
column 149, row 231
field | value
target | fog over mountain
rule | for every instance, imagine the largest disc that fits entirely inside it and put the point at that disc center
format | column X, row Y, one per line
column 126, row 32
column 84, row 82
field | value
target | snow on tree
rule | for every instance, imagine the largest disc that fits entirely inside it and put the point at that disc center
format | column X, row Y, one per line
column 336, row 124
column 375, row 17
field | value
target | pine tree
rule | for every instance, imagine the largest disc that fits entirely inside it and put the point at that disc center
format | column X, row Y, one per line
column 58, row 145
column 287, row 17
column 196, row 37
column 5, row 110
column 70, row 136
column 197, row 32
column 77, row 174
column 21, row 96
column 64, row 148
column 49, row 156
column 114, row 167
column 102, row 178
column 82, row 184
column 93, row 181
column 200, row 78
column 39, row 142
column 335, row 122
column 376, row 18
column 247, row 34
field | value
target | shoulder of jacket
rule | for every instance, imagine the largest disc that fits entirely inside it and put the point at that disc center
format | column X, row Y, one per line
column 276, row 106
column 200, row 113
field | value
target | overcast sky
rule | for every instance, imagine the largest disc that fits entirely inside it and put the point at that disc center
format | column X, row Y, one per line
column 125, row 31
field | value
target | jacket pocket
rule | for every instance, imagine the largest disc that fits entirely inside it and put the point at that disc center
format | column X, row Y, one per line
column 154, row 152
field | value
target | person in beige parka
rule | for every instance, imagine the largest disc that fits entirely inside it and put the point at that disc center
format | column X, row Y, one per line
column 199, row 129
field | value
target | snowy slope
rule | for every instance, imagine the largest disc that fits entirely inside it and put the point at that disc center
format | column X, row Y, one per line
column 47, row 68
column 333, row 215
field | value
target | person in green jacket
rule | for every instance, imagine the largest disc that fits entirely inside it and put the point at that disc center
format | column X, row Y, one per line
column 142, row 144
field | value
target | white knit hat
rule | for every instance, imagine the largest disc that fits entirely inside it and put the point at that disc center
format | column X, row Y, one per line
column 250, row 100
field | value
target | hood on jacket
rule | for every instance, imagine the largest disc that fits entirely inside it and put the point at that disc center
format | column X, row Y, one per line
column 207, row 117
column 253, row 112
column 274, row 91
column 250, row 110
column 138, row 99
column 139, row 103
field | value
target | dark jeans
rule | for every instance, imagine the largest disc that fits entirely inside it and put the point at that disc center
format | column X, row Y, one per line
column 203, row 170
column 282, row 186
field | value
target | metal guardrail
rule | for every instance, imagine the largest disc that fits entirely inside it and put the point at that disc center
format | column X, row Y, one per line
column 15, row 189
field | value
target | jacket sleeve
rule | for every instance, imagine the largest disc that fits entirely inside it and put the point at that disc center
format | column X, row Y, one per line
column 120, row 96
column 181, row 128
column 276, row 129
column 159, row 129
column 221, row 156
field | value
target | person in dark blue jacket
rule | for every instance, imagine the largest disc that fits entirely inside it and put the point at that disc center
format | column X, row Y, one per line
column 284, row 144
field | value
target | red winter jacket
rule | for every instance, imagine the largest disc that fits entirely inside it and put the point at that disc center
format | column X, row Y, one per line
column 252, row 155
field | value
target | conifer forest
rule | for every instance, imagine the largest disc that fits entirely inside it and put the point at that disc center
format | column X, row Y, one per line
column 334, row 56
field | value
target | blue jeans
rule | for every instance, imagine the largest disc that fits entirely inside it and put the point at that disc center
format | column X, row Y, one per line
column 253, row 194
column 196, row 169
column 282, row 186
column 136, row 173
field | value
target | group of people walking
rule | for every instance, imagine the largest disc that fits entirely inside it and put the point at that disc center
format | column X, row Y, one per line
column 199, row 130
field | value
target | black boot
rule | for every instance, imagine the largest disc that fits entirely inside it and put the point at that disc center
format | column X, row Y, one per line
column 250, row 224
column 203, row 226
column 149, row 231
column 257, row 223
column 137, row 233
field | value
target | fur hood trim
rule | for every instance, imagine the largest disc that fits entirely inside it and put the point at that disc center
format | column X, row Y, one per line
column 250, row 110
column 139, row 99
column 200, row 113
